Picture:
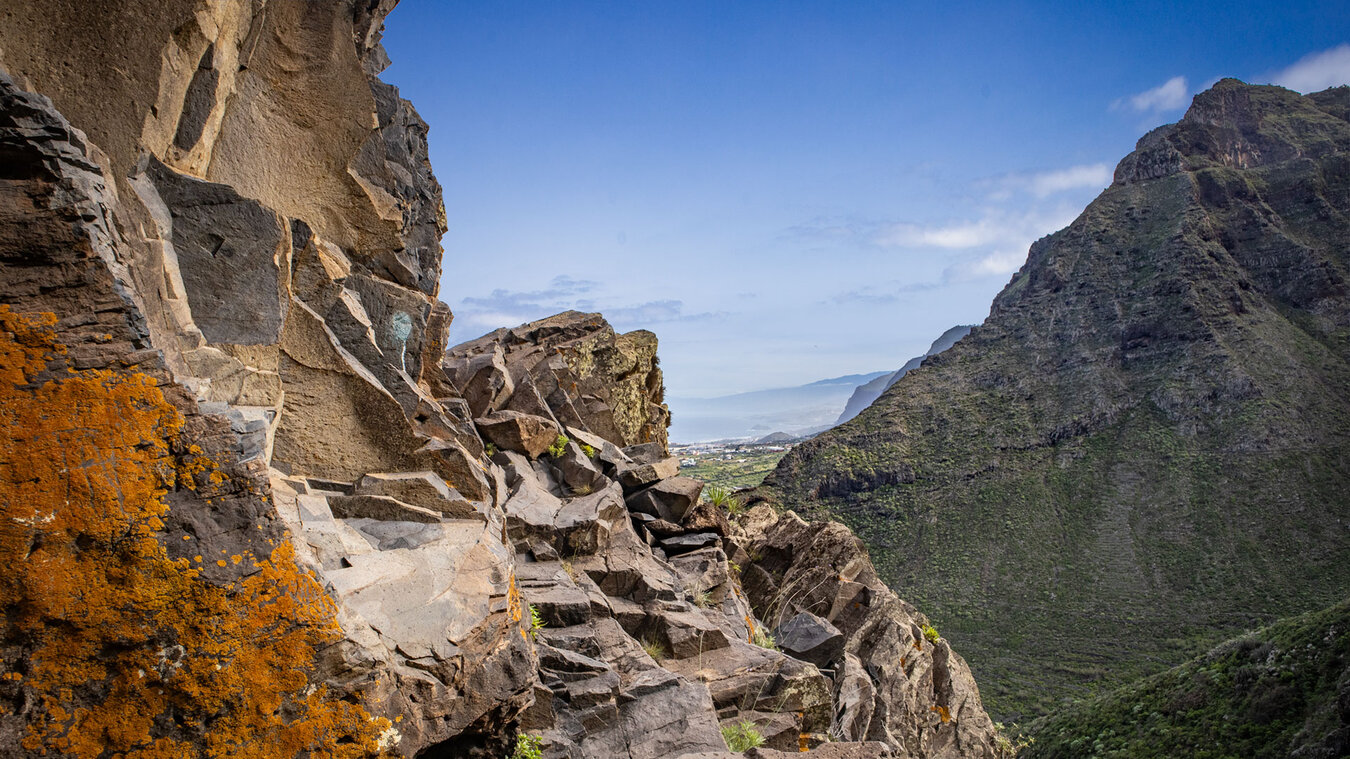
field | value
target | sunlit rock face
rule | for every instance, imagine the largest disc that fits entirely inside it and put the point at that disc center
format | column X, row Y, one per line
column 221, row 205
column 253, row 506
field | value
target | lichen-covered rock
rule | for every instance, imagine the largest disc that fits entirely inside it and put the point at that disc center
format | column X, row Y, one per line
column 575, row 367
column 153, row 597
column 238, row 258
column 247, row 505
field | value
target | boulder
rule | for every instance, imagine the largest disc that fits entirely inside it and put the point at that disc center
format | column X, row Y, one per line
column 646, row 453
column 514, row 431
column 810, row 638
column 482, row 380
column 610, row 456
column 705, row 517
column 588, row 376
column 670, row 499
column 635, row 476
column 577, row 471
column 689, row 542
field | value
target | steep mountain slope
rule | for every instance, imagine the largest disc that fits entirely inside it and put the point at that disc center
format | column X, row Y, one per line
column 1147, row 444
column 866, row 393
column 1283, row 691
column 799, row 410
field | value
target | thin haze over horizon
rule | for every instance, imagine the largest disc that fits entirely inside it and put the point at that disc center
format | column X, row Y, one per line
column 789, row 191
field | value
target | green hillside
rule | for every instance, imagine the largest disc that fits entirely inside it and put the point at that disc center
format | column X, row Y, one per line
column 1279, row 692
column 1146, row 447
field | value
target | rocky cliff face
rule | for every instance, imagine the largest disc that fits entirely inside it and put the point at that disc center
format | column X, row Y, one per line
column 1144, row 447
column 252, row 507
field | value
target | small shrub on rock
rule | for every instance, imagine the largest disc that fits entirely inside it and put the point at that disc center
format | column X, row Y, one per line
column 742, row 736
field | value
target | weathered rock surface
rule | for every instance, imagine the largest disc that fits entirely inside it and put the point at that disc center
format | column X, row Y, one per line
column 249, row 506
column 248, row 221
column 893, row 685
column 572, row 367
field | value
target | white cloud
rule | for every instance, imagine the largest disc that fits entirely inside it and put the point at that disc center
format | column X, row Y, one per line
column 1317, row 71
column 957, row 236
column 1046, row 183
column 1168, row 96
column 993, row 245
column 996, row 264
column 1095, row 176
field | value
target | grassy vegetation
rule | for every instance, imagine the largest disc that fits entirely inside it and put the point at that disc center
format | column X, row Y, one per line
column 763, row 638
column 1272, row 693
column 735, row 474
column 528, row 747
column 742, row 736
column 655, row 649
column 536, row 622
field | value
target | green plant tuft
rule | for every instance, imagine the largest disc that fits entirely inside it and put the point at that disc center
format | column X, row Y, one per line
column 528, row 747
column 742, row 736
column 536, row 622
column 588, row 450
column 763, row 638
column 559, row 445
column 655, row 649
column 703, row 599
column 722, row 499
column 931, row 634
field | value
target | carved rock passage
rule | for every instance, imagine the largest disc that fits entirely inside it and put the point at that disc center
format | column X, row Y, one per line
column 250, row 500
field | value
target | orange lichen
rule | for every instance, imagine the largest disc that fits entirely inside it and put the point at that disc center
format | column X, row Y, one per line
column 130, row 653
column 943, row 713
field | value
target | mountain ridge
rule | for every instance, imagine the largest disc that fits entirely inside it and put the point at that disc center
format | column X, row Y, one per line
column 797, row 410
column 1149, row 430
column 868, row 392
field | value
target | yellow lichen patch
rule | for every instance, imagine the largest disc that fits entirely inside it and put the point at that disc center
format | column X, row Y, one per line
column 130, row 653
column 943, row 713
column 515, row 607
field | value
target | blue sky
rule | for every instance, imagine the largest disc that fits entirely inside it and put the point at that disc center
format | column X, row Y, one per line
column 786, row 191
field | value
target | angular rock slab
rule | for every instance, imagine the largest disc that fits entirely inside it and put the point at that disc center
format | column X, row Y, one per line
column 422, row 489
column 810, row 638
column 427, row 599
column 634, row 476
column 670, row 499
column 233, row 255
column 523, row 433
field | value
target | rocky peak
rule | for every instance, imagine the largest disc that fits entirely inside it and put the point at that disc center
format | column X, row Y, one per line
column 572, row 368
column 1242, row 126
